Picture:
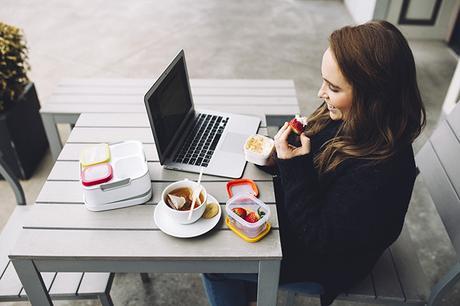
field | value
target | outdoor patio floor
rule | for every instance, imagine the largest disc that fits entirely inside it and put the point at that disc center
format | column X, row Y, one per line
column 222, row 39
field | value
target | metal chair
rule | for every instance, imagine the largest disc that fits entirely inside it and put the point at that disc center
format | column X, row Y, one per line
column 63, row 286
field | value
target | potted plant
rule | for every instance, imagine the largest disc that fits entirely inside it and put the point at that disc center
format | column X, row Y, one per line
column 22, row 136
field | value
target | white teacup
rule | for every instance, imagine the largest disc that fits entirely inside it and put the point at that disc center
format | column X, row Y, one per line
column 181, row 216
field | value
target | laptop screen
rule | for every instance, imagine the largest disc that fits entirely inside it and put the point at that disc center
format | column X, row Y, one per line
column 169, row 103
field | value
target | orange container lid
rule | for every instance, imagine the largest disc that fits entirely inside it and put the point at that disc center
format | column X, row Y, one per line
column 240, row 186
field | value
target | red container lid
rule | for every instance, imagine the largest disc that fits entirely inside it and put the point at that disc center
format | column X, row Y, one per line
column 96, row 174
column 240, row 186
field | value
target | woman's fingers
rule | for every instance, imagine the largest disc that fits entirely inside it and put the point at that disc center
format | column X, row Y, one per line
column 285, row 134
column 281, row 130
column 281, row 144
column 284, row 150
column 306, row 145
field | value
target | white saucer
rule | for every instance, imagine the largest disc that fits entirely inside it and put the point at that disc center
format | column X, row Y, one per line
column 170, row 227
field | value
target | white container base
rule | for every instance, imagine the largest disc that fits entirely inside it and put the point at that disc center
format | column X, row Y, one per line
column 120, row 204
column 130, row 183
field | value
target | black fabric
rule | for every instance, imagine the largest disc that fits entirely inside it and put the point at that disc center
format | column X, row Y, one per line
column 334, row 230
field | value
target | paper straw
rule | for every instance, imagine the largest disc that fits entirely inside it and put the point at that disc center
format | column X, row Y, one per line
column 195, row 196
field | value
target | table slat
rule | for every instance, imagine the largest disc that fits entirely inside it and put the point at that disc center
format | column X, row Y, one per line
column 70, row 170
column 142, row 245
column 198, row 91
column 116, row 134
column 199, row 101
column 72, row 149
column 280, row 83
column 71, row 192
column 252, row 110
column 76, row 216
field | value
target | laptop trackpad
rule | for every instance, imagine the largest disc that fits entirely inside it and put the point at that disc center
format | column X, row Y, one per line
column 234, row 143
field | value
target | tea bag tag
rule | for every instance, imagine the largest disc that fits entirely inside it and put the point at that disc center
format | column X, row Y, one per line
column 178, row 202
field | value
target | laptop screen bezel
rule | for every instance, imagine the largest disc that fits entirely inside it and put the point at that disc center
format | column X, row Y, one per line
column 175, row 140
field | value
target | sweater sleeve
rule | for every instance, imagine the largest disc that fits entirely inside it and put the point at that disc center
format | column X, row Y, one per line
column 342, row 217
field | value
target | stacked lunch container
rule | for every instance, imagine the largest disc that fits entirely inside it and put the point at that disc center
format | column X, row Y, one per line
column 114, row 176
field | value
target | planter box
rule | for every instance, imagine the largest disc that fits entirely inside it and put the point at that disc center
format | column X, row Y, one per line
column 23, row 140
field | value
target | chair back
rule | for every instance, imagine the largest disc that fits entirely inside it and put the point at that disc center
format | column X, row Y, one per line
column 439, row 164
column 9, row 176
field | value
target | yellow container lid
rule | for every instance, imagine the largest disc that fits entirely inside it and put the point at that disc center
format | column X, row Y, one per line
column 246, row 238
column 96, row 154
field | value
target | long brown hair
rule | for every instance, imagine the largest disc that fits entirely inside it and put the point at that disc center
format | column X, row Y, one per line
column 387, row 111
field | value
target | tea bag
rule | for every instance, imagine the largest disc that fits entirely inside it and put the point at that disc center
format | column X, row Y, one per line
column 178, row 202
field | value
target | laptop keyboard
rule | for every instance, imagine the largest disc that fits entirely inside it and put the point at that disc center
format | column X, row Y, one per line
column 202, row 140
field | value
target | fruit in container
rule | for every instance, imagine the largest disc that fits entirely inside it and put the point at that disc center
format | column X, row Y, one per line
column 240, row 212
column 252, row 217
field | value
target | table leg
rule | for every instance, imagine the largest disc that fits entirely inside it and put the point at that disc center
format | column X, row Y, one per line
column 52, row 134
column 32, row 281
column 267, row 289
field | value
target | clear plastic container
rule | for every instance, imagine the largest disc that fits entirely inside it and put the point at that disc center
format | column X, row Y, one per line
column 252, row 205
column 258, row 148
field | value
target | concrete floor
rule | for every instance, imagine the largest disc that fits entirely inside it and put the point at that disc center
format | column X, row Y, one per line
column 222, row 39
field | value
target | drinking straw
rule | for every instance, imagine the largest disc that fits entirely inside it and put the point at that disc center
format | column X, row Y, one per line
column 194, row 196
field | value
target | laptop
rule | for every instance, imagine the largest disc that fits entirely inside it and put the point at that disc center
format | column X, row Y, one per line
column 190, row 140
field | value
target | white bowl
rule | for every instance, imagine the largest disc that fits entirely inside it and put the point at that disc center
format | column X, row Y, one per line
column 180, row 216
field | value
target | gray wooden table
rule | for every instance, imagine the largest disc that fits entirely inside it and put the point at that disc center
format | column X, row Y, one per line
column 61, row 235
column 75, row 96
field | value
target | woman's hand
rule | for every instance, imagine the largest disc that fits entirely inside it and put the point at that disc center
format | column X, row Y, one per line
column 284, row 150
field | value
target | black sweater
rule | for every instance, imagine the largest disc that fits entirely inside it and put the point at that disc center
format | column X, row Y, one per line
column 334, row 230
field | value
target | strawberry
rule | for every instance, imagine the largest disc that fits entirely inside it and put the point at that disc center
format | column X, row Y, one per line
column 298, row 124
column 240, row 211
column 252, row 217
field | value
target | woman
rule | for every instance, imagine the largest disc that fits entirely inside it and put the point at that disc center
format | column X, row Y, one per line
column 345, row 188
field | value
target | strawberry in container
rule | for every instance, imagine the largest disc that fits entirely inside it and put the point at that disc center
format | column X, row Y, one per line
column 248, row 217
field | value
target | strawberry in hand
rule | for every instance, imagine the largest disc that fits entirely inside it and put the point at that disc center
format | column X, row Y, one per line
column 298, row 124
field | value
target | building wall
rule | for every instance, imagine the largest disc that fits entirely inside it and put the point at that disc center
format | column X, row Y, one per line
column 361, row 10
